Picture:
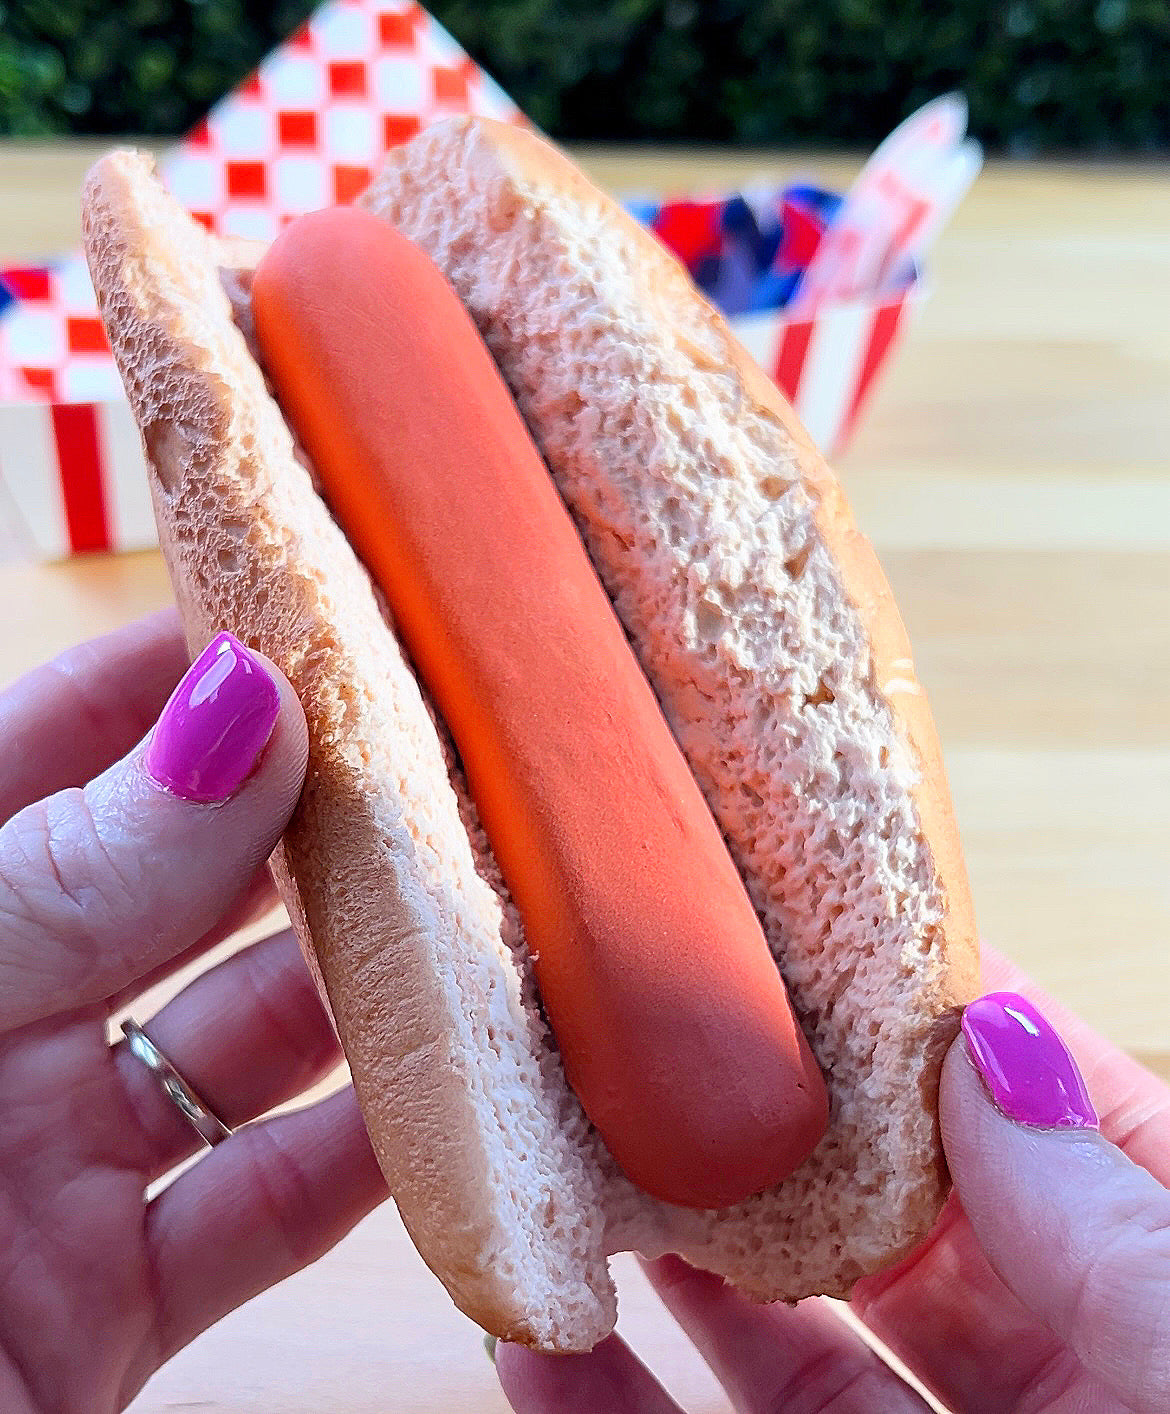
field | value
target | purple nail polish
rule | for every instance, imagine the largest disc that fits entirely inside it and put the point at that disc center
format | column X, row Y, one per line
column 218, row 721
column 1025, row 1065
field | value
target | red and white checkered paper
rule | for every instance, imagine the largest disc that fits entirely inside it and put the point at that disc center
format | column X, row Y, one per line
column 305, row 131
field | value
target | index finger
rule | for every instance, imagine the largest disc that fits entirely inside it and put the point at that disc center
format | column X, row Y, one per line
column 777, row 1358
column 610, row 1377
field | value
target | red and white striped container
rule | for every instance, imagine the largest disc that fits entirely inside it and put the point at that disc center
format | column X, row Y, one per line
column 306, row 130
column 827, row 365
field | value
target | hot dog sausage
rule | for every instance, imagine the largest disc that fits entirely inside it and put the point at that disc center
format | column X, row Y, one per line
column 671, row 1019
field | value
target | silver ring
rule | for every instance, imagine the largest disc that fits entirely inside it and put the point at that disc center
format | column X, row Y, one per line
column 202, row 1119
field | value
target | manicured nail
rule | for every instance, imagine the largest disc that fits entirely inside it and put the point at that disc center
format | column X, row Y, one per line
column 489, row 1344
column 1025, row 1065
column 218, row 721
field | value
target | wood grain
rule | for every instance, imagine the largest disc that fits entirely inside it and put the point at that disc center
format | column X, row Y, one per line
column 1014, row 473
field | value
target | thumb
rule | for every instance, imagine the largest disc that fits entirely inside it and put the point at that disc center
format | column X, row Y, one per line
column 100, row 886
column 1077, row 1231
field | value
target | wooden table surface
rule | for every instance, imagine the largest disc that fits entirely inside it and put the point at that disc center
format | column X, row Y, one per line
column 1014, row 473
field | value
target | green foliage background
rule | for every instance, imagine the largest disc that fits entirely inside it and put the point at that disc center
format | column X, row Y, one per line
column 1041, row 75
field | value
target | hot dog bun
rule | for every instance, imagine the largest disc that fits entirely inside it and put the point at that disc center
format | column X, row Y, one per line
column 768, row 632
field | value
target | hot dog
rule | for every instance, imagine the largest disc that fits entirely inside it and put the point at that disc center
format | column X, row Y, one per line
column 650, row 961
column 763, row 627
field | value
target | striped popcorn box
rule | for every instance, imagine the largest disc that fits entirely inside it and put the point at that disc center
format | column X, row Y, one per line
column 827, row 365
column 752, row 252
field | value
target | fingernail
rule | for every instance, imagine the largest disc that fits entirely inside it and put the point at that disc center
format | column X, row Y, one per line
column 218, row 721
column 1027, row 1068
column 489, row 1344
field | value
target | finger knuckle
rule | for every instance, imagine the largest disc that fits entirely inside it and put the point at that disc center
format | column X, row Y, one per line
column 73, row 672
column 866, row 1389
column 284, row 1193
column 283, row 1000
column 829, row 1383
column 60, row 881
column 1121, row 1312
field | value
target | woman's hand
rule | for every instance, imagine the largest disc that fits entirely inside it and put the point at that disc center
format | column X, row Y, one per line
column 111, row 876
column 1045, row 1285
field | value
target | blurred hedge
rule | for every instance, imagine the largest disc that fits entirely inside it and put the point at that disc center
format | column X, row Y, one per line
column 1041, row 75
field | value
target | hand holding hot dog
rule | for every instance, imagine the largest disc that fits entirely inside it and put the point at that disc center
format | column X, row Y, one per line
column 1042, row 1287
column 127, row 849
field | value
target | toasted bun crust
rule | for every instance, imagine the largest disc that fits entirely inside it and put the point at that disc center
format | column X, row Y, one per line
column 768, row 632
